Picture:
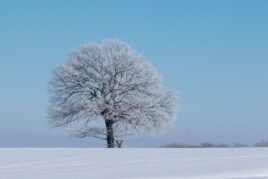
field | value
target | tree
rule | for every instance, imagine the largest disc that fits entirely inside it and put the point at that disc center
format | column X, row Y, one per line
column 108, row 91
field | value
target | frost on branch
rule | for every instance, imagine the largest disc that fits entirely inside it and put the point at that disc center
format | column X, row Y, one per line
column 108, row 90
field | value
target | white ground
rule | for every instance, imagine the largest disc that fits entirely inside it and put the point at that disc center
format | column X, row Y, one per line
column 65, row 163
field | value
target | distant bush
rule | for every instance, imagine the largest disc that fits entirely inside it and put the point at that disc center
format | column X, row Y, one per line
column 202, row 145
column 179, row 145
column 262, row 143
column 222, row 146
column 240, row 145
column 207, row 145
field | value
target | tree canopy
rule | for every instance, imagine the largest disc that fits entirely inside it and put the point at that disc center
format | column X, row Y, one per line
column 109, row 91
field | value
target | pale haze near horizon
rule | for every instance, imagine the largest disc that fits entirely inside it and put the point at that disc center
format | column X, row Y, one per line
column 213, row 52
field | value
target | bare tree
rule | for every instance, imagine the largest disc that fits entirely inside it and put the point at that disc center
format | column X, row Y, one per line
column 262, row 143
column 107, row 91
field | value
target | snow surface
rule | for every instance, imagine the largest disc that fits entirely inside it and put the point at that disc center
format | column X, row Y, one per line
column 70, row 163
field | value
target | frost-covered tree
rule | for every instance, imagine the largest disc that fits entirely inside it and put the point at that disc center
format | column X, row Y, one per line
column 109, row 91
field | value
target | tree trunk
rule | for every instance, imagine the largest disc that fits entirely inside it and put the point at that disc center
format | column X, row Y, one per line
column 110, row 134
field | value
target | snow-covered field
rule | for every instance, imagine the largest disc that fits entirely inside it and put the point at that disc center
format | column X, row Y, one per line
column 76, row 163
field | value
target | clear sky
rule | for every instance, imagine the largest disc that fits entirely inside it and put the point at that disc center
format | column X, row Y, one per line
column 214, row 52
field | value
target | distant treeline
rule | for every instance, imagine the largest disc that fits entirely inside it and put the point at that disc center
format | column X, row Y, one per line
column 262, row 143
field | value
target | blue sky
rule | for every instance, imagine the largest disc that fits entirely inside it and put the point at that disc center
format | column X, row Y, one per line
column 213, row 52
